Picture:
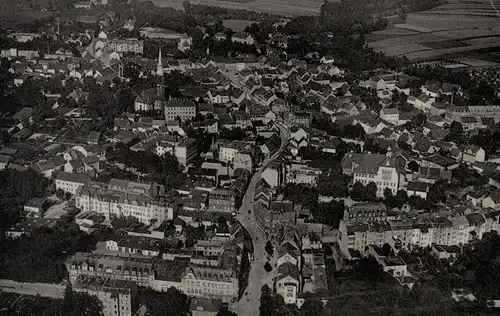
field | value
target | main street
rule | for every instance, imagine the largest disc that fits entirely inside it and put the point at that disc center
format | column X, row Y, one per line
column 249, row 303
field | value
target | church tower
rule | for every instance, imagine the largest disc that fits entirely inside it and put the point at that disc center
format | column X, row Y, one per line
column 160, row 100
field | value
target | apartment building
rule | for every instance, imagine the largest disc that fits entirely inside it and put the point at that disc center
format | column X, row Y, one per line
column 211, row 282
column 184, row 149
column 367, row 211
column 134, row 269
column 116, row 296
column 222, row 200
column 124, row 198
column 71, row 182
column 177, row 108
column 405, row 234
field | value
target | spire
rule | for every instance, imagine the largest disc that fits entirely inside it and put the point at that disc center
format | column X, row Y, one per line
column 159, row 67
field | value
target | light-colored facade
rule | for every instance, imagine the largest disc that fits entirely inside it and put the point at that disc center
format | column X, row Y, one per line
column 210, row 282
column 127, row 45
column 182, row 109
column 380, row 170
column 222, row 200
column 136, row 202
column 71, row 182
column 116, row 296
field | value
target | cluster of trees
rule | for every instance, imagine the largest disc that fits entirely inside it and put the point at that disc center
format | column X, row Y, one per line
column 362, row 192
column 172, row 302
column 477, row 90
column 164, row 170
column 333, row 129
column 39, row 256
column 22, row 186
column 72, row 304
column 488, row 139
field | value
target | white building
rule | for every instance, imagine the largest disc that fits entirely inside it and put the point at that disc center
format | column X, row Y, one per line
column 380, row 169
column 183, row 109
column 71, row 182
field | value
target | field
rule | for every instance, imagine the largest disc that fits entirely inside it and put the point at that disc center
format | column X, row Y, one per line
column 450, row 29
column 279, row 7
column 11, row 14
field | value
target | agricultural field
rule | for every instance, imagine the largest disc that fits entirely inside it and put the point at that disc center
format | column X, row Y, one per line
column 452, row 28
column 279, row 7
column 11, row 14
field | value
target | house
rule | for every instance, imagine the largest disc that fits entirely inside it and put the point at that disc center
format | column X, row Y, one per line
column 288, row 282
column 390, row 115
column 443, row 252
column 472, row 154
column 418, row 188
column 244, row 38
column 34, row 208
column 438, row 108
column 271, row 146
column 93, row 138
column 327, row 59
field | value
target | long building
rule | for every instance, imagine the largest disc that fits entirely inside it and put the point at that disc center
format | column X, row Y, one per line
column 456, row 113
column 407, row 234
column 125, row 198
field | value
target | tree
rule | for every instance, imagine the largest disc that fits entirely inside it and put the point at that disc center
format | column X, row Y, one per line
column 268, row 267
column 266, row 301
column 311, row 307
column 413, row 166
column 225, row 312
column 269, row 248
column 172, row 302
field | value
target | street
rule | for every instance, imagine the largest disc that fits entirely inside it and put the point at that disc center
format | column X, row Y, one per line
column 250, row 302
column 42, row 289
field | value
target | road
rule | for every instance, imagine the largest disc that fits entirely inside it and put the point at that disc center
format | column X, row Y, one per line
column 250, row 302
column 43, row 289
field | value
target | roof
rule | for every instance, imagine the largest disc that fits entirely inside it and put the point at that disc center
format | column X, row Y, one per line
column 73, row 177
column 370, row 163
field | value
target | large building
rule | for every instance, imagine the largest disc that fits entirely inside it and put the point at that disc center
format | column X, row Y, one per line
column 456, row 113
column 179, row 108
column 125, row 198
column 211, row 282
column 126, row 45
column 383, row 170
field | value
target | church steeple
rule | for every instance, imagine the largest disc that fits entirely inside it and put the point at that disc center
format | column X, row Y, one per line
column 159, row 67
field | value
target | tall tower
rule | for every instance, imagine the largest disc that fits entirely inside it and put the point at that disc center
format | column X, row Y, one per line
column 160, row 99
column 159, row 67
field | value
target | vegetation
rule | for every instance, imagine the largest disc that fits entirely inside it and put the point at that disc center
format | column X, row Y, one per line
column 164, row 170
column 73, row 304
column 40, row 256
column 22, row 186
column 172, row 302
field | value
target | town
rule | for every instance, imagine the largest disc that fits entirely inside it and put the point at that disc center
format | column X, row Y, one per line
column 182, row 167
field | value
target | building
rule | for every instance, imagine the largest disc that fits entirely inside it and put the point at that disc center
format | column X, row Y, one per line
column 210, row 282
column 27, row 226
column 222, row 200
column 288, row 282
column 35, row 207
column 116, row 296
column 406, row 234
column 178, row 108
column 472, row 154
column 126, row 45
column 383, row 170
column 4, row 161
column 125, row 198
column 367, row 211
column 229, row 149
column 456, row 113
column 71, row 182
column 134, row 269
column 390, row 115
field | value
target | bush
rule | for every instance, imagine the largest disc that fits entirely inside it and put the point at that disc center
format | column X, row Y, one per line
column 268, row 267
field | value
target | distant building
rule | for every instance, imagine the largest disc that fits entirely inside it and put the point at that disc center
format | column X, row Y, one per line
column 178, row 108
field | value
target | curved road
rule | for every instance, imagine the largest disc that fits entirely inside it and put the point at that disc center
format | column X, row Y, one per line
column 250, row 302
